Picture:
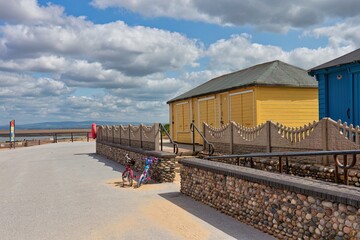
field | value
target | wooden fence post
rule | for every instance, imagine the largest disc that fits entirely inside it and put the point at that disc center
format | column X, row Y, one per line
column 120, row 134
column 129, row 129
column 324, row 138
column 268, row 146
column 157, row 131
column 107, row 134
column 141, row 128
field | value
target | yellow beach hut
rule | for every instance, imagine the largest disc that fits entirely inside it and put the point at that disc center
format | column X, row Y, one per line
column 273, row 91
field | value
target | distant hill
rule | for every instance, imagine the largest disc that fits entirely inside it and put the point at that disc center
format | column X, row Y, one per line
column 66, row 125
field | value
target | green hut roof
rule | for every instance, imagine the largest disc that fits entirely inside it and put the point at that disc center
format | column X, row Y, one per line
column 275, row 73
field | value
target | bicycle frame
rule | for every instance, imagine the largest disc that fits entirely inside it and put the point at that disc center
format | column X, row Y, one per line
column 145, row 176
column 129, row 172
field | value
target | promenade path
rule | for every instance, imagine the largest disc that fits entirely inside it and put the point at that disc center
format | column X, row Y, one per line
column 65, row 191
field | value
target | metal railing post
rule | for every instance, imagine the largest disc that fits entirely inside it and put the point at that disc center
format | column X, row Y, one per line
column 161, row 137
column 175, row 145
column 211, row 146
column 193, row 136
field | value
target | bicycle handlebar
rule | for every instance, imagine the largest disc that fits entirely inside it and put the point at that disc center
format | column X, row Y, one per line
column 151, row 159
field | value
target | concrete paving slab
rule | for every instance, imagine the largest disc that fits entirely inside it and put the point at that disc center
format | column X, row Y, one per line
column 66, row 191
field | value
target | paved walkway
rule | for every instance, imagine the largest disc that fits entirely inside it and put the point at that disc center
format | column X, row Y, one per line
column 183, row 149
column 66, row 191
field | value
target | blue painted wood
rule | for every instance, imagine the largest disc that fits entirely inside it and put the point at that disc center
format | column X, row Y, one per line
column 353, row 67
column 356, row 99
column 339, row 97
column 322, row 95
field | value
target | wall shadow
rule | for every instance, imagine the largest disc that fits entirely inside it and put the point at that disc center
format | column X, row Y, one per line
column 223, row 222
column 109, row 163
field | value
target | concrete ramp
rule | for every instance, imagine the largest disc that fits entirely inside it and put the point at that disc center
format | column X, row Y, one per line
column 65, row 191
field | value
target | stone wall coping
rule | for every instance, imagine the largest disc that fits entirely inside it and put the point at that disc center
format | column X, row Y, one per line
column 158, row 154
column 328, row 191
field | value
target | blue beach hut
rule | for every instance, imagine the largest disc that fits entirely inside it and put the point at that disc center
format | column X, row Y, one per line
column 339, row 88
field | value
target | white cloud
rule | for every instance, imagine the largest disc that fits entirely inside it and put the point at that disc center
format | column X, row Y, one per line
column 19, row 85
column 276, row 15
column 240, row 52
column 179, row 9
column 135, row 51
column 346, row 33
column 39, row 64
column 17, row 11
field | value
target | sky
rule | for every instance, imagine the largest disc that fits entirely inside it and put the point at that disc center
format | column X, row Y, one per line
column 122, row 60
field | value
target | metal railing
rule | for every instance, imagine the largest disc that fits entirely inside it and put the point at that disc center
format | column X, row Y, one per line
column 345, row 165
column 175, row 145
column 210, row 145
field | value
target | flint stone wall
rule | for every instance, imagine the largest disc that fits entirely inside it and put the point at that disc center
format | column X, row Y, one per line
column 297, row 167
column 285, row 206
column 162, row 172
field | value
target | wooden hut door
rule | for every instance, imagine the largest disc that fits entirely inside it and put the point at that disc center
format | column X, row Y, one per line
column 206, row 114
column 339, row 97
column 242, row 108
column 182, row 122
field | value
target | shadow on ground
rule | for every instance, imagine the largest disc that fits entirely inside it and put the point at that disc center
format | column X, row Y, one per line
column 213, row 217
column 114, row 165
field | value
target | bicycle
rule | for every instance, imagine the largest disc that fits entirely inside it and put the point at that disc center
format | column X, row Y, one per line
column 145, row 176
column 128, row 173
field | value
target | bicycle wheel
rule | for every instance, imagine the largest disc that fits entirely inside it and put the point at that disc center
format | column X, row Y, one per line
column 141, row 179
column 125, row 176
column 130, row 179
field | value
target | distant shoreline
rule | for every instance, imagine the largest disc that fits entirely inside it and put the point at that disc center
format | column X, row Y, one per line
column 64, row 125
column 44, row 140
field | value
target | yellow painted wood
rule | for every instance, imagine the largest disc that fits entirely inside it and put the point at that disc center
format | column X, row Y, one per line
column 224, row 109
column 235, row 108
column 186, row 115
column 207, row 113
column 248, row 110
column 195, row 111
column 184, row 137
column 172, row 119
column 183, row 115
column 242, row 108
column 211, row 116
column 290, row 106
column 179, row 118
column 182, row 119
column 202, row 113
